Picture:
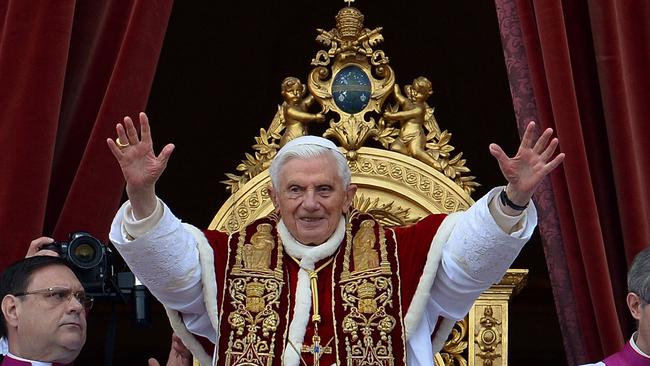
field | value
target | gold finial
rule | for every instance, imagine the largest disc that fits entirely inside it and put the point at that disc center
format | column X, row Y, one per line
column 349, row 2
column 349, row 23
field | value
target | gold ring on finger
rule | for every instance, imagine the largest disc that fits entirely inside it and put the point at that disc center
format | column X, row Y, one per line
column 120, row 144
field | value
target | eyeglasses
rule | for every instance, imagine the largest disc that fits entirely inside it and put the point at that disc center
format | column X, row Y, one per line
column 61, row 295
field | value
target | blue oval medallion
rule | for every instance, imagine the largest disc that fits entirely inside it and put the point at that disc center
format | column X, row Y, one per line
column 351, row 89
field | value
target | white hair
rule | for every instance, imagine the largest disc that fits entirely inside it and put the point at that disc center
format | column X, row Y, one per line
column 308, row 151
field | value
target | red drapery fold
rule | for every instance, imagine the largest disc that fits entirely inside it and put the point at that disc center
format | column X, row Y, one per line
column 69, row 71
column 580, row 67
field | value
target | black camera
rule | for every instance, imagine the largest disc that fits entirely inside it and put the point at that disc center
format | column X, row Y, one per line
column 93, row 263
column 89, row 258
column 83, row 250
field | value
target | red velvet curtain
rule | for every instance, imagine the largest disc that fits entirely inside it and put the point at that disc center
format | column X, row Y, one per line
column 69, row 70
column 581, row 67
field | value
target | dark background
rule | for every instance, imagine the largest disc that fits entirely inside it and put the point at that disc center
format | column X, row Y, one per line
column 218, row 83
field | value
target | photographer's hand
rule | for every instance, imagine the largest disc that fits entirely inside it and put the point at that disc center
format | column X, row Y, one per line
column 140, row 165
column 36, row 245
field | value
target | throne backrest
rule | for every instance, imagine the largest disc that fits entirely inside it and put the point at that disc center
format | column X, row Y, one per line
column 411, row 172
column 395, row 188
column 400, row 158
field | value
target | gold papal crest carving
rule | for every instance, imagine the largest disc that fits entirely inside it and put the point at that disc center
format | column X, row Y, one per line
column 351, row 82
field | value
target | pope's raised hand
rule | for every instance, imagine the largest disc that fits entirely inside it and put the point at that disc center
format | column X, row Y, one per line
column 140, row 165
column 533, row 161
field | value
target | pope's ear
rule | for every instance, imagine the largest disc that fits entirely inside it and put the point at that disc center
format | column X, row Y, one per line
column 274, row 198
column 349, row 197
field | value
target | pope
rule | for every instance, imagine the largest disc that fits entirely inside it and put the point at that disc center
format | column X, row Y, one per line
column 317, row 282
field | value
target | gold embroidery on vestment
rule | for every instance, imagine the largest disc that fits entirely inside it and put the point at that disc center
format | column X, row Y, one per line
column 363, row 247
column 367, row 292
column 257, row 254
column 254, row 291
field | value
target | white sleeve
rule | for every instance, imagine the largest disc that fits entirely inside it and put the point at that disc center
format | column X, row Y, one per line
column 476, row 255
column 595, row 364
column 165, row 258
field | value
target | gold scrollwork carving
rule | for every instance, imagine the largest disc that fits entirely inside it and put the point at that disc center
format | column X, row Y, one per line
column 388, row 214
column 351, row 132
column 254, row 202
column 488, row 336
column 454, row 352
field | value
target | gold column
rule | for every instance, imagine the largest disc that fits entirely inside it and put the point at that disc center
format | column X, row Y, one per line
column 488, row 321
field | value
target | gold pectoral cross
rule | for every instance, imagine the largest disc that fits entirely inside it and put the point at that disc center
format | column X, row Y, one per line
column 316, row 349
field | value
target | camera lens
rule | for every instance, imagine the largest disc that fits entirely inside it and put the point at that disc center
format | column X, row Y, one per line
column 85, row 252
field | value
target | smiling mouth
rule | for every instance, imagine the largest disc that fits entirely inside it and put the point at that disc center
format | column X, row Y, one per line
column 311, row 219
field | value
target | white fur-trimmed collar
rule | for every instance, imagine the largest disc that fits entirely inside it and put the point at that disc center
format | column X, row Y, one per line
column 209, row 281
column 421, row 296
column 314, row 253
column 308, row 255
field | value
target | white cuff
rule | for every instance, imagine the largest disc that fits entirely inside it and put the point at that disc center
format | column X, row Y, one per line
column 136, row 228
column 507, row 223
column 480, row 246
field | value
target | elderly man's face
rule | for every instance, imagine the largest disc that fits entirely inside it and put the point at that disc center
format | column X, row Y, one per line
column 311, row 198
column 49, row 327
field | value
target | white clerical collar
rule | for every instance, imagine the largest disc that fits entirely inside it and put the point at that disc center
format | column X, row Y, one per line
column 302, row 307
column 315, row 253
column 635, row 347
column 34, row 363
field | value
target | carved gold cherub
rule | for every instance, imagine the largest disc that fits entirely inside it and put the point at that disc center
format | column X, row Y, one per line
column 363, row 252
column 295, row 110
column 257, row 254
column 415, row 113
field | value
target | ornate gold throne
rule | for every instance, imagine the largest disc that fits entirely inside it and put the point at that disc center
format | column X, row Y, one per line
column 401, row 161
